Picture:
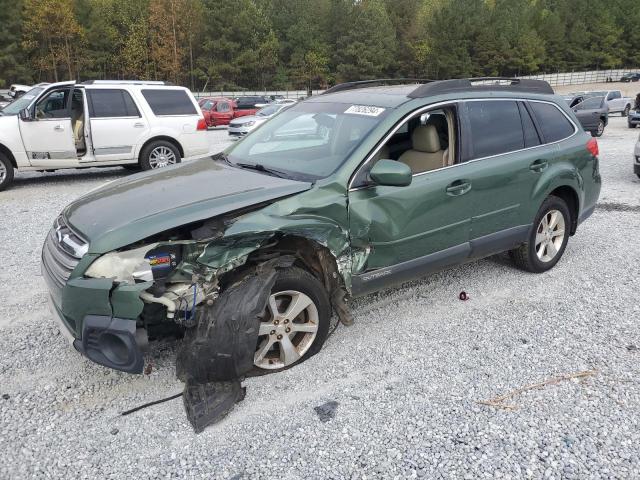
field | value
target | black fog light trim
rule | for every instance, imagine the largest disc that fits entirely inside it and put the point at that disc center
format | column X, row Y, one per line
column 111, row 342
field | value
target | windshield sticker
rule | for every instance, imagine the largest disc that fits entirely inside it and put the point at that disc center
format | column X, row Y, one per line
column 364, row 110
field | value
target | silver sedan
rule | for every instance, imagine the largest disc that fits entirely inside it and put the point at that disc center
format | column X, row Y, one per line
column 239, row 127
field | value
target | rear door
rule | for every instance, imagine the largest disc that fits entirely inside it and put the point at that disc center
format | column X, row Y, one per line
column 588, row 112
column 615, row 101
column 117, row 126
column 507, row 157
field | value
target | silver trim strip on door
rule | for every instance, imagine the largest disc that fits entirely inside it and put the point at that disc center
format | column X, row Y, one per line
column 113, row 150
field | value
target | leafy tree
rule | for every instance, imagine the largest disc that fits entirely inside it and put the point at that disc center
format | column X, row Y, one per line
column 53, row 37
column 13, row 67
column 367, row 48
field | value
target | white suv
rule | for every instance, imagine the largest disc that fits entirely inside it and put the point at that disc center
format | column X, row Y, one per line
column 100, row 123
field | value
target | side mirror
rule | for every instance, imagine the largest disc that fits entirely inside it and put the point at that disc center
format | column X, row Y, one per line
column 25, row 115
column 391, row 173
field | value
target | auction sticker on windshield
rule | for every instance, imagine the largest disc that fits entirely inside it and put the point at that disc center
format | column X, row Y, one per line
column 367, row 110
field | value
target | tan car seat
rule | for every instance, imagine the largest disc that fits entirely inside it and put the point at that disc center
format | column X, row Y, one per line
column 426, row 153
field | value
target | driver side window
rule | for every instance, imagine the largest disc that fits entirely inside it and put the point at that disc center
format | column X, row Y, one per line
column 53, row 105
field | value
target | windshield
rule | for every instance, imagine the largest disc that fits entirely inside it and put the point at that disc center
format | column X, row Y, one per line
column 307, row 141
column 23, row 102
column 268, row 111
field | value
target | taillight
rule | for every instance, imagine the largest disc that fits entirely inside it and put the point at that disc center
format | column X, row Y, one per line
column 592, row 146
column 202, row 125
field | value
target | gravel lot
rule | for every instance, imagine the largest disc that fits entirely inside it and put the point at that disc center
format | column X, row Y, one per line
column 407, row 377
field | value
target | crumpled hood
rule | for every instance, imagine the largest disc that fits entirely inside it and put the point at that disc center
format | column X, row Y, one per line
column 126, row 211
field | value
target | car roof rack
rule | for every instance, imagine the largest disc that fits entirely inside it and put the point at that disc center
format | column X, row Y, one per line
column 482, row 83
column 373, row 83
column 125, row 82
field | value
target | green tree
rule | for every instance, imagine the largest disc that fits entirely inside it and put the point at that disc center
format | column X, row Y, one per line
column 13, row 67
column 367, row 48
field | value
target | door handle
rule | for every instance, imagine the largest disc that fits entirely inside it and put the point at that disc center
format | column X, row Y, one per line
column 59, row 128
column 138, row 125
column 459, row 187
column 538, row 165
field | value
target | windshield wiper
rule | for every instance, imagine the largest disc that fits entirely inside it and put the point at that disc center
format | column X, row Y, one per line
column 261, row 168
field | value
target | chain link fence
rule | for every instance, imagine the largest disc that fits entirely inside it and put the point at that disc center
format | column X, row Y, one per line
column 579, row 78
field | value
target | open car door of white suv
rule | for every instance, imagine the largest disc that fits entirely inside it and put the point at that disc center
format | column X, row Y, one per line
column 47, row 132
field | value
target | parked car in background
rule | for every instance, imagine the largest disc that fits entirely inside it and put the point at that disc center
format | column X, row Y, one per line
column 16, row 90
column 243, row 125
column 593, row 113
column 636, row 157
column 285, row 100
column 630, row 77
column 136, row 124
column 217, row 110
column 616, row 102
column 252, row 103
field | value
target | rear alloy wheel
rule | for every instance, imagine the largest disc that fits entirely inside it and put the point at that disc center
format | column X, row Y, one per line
column 599, row 130
column 6, row 172
column 547, row 240
column 295, row 323
column 158, row 155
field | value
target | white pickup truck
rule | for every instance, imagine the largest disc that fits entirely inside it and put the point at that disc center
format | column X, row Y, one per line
column 616, row 102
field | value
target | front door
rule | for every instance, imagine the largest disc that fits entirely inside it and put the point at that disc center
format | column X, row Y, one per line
column 117, row 126
column 48, row 137
column 401, row 233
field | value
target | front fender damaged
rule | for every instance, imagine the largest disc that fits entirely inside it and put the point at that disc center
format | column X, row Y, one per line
column 217, row 353
column 235, row 262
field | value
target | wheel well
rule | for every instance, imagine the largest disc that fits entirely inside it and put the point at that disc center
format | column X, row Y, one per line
column 4, row 150
column 570, row 197
column 309, row 255
column 166, row 139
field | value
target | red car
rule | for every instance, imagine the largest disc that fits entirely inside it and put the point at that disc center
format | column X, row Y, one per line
column 217, row 110
column 221, row 110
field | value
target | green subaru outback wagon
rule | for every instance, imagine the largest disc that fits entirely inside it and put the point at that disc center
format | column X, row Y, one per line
column 246, row 255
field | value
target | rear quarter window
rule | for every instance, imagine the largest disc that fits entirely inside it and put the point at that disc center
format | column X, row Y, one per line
column 169, row 102
column 554, row 124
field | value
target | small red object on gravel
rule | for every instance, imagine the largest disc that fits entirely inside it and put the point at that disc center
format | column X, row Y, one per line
column 463, row 296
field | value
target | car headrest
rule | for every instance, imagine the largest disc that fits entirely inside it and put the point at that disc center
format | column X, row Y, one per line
column 425, row 139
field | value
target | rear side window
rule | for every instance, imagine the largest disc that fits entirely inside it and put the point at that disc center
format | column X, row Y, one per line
column 169, row 102
column 495, row 127
column 531, row 138
column 553, row 123
column 111, row 103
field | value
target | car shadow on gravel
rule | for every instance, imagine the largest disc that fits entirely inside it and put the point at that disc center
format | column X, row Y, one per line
column 36, row 178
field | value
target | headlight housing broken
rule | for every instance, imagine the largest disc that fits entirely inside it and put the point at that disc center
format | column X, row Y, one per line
column 125, row 266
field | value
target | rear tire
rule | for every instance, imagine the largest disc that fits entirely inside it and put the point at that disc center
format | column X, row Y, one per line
column 548, row 238
column 159, row 154
column 625, row 112
column 600, row 129
column 6, row 172
column 630, row 125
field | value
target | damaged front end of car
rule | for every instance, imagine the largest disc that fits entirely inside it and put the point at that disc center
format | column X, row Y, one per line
column 210, row 281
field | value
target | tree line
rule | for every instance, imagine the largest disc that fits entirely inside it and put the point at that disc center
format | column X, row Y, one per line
column 292, row 44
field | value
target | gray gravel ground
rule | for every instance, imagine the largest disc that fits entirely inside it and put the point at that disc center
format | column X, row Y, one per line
column 407, row 377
